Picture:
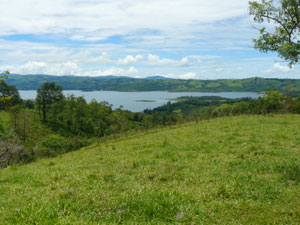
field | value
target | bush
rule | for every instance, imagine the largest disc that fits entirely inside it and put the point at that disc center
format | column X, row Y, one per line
column 13, row 153
column 55, row 145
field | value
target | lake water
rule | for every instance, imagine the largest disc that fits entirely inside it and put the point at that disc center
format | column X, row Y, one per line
column 130, row 100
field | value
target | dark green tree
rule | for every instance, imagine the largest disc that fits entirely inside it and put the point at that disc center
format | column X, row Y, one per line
column 273, row 102
column 9, row 95
column 295, row 106
column 48, row 94
column 285, row 37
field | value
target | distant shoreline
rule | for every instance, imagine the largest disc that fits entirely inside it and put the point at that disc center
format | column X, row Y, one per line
column 145, row 101
column 209, row 92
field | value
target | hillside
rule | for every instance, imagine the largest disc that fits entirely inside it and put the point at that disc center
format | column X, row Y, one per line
column 110, row 83
column 239, row 170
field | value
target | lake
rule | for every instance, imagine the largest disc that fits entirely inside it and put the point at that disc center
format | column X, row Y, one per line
column 138, row 101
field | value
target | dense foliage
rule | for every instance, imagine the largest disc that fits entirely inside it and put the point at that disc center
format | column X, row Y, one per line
column 194, row 105
column 33, row 82
column 74, row 116
column 48, row 94
column 284, row 39
column 207, row 107
column 9, row 95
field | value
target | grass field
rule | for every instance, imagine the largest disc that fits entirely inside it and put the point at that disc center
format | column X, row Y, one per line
column 239, row 170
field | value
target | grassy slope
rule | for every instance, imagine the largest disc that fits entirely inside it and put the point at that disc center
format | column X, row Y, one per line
column 241, row 170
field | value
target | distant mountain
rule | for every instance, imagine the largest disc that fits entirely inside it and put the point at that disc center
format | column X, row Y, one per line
column 158, row 78
column 156, row 83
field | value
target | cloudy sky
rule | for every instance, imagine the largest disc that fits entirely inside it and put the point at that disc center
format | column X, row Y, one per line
column 186, row 39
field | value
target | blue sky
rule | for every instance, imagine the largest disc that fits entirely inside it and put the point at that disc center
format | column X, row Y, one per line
column 187, row 39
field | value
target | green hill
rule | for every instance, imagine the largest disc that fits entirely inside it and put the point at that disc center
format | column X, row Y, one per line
column 234, row 170
column 109, row 83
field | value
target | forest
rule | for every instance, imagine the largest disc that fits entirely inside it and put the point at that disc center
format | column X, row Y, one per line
column 54, row 124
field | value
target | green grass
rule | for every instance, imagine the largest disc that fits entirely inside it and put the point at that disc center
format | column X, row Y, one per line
column 239, row 170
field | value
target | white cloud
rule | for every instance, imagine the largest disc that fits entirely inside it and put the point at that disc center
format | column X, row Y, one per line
column 277, row 68
column 91, row 56
column 68, row 68
column 189, row 75
column 155, row 60
column 37, row 67
column 96, row 20
column 103, row 58
column 132, row 70
column 130, row 60
column 187, row 61
column 108, row 37
column 112, row 71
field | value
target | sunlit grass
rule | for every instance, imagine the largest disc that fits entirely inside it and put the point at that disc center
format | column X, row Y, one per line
column 239, row 170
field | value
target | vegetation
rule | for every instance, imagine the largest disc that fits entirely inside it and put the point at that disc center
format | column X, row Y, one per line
column 54, row 124
column 193, row 105
column 284, row 39
column 24, row 138
column 33, row 82
column 48, row 94
column 221, row 171
column 195, row 108
column 205, row 160
column 176, row 172
column 8, row 94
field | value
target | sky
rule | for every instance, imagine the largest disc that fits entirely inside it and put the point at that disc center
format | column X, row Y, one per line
column 185, row 39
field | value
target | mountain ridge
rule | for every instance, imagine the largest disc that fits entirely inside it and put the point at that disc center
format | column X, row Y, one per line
column 155, row 83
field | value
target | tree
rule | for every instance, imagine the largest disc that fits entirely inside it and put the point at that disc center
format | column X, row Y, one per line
column 285, row 39
column 11, row 152
column 273, row 101
column 24, row 126
column 240, row 108
column 9, row 95
column 48, row 94
column 4, row 75
column 295, row 106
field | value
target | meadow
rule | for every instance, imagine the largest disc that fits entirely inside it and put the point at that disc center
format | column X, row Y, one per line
column 227, row 170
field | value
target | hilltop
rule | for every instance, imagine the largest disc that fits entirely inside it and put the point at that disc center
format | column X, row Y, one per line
column 233, row 170
column 115, row 83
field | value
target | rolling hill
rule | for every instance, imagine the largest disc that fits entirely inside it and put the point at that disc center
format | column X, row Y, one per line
column 113, row 83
